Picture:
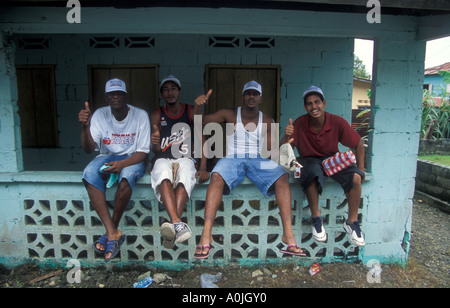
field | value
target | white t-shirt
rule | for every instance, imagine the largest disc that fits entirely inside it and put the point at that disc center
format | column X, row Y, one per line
column 128, row 136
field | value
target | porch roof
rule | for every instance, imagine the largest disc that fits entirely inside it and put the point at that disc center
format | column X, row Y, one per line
column 393, row 7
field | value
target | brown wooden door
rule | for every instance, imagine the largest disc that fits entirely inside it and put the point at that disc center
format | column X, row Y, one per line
column 227, row 82
column 141, row 82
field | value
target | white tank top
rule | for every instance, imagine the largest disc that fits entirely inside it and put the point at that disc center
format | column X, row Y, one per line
column 243, row 143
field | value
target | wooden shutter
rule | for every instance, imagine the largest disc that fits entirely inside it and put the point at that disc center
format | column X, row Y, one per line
column 227, row 82
column 37, row 106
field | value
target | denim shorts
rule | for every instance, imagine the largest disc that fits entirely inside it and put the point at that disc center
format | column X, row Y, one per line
column 93, row 176
column 312, row 169
column 262, row 172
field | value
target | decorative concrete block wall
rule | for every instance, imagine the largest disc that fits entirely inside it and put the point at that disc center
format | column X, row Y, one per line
column 52, row 222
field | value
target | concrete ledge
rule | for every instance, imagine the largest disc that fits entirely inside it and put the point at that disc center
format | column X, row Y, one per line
column 76, row 176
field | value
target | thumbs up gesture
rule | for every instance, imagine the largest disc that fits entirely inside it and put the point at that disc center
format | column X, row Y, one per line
column 156, row 135
column 289, row 130
column 84, row 116
column 203, row 99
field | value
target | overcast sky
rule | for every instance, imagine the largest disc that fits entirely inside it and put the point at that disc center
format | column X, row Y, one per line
column 438, row 52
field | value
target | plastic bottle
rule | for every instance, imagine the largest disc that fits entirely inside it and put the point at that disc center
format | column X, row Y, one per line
column 144, row 283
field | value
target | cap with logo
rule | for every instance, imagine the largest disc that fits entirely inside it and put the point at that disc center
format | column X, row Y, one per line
column 252, row 85
column 115, row 85
column 313, row 89
column 170, row 78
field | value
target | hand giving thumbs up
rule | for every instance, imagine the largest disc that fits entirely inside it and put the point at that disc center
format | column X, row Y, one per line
column 84, row 116
column 289, row 128
column 156, row 135
column 203, row 99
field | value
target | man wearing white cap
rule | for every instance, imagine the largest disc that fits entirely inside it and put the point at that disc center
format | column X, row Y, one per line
column 316, row 136
column 244, row 146
column 174, row 170
column 121, row 133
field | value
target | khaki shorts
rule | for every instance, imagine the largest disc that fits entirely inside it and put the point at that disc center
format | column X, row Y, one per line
column 181, row 170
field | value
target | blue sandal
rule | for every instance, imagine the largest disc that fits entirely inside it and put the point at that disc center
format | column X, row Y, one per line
column 113, row 247
column 103, row 240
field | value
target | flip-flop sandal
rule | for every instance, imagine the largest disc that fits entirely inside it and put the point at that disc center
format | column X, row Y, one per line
column 103, row 240
column 201, row 255
column 112, row 178
column 287, row 251
column 113, row 247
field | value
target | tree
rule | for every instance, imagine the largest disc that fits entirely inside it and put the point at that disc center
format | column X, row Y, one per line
column 359, row 69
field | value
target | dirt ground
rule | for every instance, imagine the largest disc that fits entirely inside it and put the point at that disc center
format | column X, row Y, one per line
column 428, row 266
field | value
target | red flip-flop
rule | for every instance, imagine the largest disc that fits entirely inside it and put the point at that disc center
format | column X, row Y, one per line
column 201, row 255
column 287, row 251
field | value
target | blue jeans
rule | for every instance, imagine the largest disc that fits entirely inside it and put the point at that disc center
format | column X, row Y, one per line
column 262, row 172
column 93, row 176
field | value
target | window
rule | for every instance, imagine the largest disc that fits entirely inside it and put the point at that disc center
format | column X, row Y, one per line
column 37, row 106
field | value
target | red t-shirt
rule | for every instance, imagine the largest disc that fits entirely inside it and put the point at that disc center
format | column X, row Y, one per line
column 324, row 143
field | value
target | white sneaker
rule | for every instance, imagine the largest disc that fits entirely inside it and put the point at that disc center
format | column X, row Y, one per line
column 354, row 230
column 318, row 230
column 168, row 234
column 183, row 232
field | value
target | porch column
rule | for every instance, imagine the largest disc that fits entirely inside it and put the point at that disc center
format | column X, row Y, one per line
column 11, row 148
column 396, row 105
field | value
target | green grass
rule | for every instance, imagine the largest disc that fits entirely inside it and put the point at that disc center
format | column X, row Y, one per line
column 440, row 159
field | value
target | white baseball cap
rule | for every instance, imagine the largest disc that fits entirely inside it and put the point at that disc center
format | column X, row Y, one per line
column 252, row 85
column 115, row 85
column 170, row 78
column 313, row 89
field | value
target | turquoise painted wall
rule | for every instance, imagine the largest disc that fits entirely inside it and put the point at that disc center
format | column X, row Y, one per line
column 398, row 75
column 325, row 62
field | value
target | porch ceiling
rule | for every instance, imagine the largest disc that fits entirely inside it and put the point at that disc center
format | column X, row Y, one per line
column 394, row 7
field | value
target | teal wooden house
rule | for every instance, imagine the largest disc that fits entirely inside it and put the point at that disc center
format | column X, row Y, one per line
column 54, row 55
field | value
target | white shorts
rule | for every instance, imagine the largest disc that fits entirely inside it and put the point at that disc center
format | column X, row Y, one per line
column 164, row 169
